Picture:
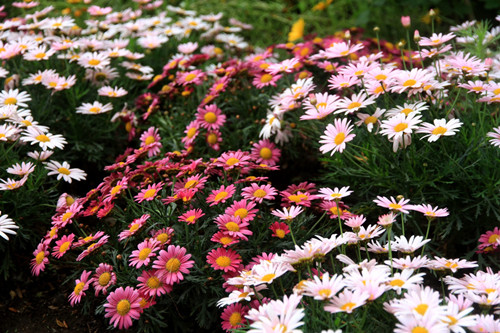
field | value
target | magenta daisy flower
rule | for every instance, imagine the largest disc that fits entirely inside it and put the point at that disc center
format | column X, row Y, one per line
column 242, row 209
column 279, row 229
column 430, row 211
column 233, row 226
column 41, row 258
column 191, row 216
column 490, row 239
column 232, row 159
column 149, row 193
column 133, row 227
column 63, row 245
column 122, row 306
column 146, row 250
column 233, row 316
column 164, row 236
column 81, row 285
column 221, row 195
column 265, row 79
column 192, row 77
column 265, row 152
column 258, row 193
column 224, row 259
column 210, row 117
column 192, row 182
column 299, row 198
column 151, row 285
column 92, row 247
column 398, row 206
column 172, row 263
column 191, row 133
column 224, row 238
column 336, row 136
column 103, row 278
column 150, row 141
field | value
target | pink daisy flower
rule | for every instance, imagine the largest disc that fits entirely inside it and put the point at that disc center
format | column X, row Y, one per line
column 103, row 278
column 258, row 193
column 298, row 198
column 436, row 39
column 92, row 247
column 342, row 49
column 233, row 226
column 191, row 216
column 335, row 194
column 146, row 250
column 265, row 79
column 243, row 209
column 233, row 159
column 192, row 182
column 354, row 103
column 210, row 117
column 286, row 66
column 151, row 285
column 172, row 263
column 122, row 306
column 336, row 136
column 150, row 141
column 399, row 206
column 221, row 195
column 191, row 132
column 163, row 236
column 63, row 245
column 399, row 128
column 318, row 106
column 495, row 135
column 224, row 259
column 192, row 77
column 149, row 193
column 133, row 227
column 279, row 229
column 224, row 239
column 233, row 316
column 287, row 214
column 41, row 258
column 81, row 285
column 213, row 139
column 490, row 239
column 341, row 81
column 430, row 211
column 265, row 152
column 440, row 128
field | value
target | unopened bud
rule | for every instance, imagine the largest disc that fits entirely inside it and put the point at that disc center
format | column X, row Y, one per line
column 416, row 36
column 405, row 21
column 432, row 13
column 376, row 29
column 347, row 34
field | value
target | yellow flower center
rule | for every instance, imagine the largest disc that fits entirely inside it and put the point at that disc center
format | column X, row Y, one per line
column 400, row 127
column 325, row 292
column 268, row 277
column 67, row 216
column 39, row 257
column 173, row 265
column 451, row 265
column 232, row 226
column 439, row 130
column 344, row 53
column 339, row 138
column 380, row 77
column 162, row 238
column 226, row 240
column 397, row 283
column 210, row 117
column 370, row 120
column 150, row 193
column 134, row 227
column 242, row 213
column 42, row 138
column 406, row 111
column 235, row 319
column 123, row 307
column 354, row 105
column 419, row 329
column 153, row 282
column 348, row 306
column 10, row 101
column 421, row 309
column 265, row 153
column 260, row 193
column 40, row 55
column 149, row 140
column 493, row 238
column 266, row 78
column 94, row 62
column 297, row 197
column 336, row 211
column 190, row 77
column 191, row 132
column 409, row 83
column 221, row 196
column 144, row 253
column 466, row 68
column 280, row 233
column 395, row 206
column 64, row 247
column 191, row 218
column 115, row 189
column 104, row 279
column 64, row 171
column 212, row 138
column 78, row 288
column 232, row 161
column 223, row 261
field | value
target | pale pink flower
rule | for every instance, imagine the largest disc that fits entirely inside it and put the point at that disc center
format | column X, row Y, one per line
column 336, row 136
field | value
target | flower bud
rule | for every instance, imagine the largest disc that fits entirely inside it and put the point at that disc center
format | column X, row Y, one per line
column 405, row 21
column 416, row 36
column 432, row 13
